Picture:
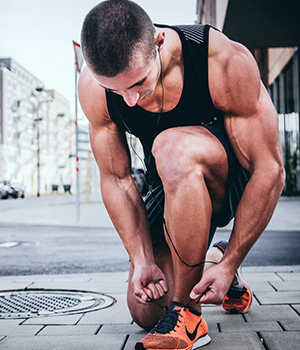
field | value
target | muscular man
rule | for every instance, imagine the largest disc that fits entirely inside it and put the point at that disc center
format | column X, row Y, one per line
column 209, row 132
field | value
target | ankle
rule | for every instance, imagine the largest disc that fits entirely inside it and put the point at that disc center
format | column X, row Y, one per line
column 213, row 256
column 196, row 308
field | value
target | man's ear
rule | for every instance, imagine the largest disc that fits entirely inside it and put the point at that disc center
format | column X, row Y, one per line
column 160, row 40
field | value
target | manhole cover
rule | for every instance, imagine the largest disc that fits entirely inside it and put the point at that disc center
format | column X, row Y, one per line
column 37, row 303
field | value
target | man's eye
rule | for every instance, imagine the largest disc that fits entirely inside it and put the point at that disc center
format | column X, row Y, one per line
column 140, row 82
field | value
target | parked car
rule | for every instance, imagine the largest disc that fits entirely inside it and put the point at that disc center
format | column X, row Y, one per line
column 12, row 190
column 3, row 192
column 19, row 188
column 139, row 178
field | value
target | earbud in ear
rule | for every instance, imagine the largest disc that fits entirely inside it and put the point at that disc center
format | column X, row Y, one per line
column 158, row 45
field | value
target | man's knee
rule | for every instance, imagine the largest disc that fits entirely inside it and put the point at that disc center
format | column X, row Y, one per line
column 177, row 156
column 145, row 316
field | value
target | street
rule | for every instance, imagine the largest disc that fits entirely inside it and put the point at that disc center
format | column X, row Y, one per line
column 42, row 236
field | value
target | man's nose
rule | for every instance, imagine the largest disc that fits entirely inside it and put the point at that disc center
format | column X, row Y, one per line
column 131, row 98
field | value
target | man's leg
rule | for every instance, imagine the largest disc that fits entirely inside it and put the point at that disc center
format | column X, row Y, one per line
column 147, row 316
column 193, row 167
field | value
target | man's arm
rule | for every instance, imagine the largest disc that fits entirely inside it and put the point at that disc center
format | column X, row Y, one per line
column 251, row 123
column 119, row 191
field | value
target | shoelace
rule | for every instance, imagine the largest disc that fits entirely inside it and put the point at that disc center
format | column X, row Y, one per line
column 237, row 289
column 167, row 323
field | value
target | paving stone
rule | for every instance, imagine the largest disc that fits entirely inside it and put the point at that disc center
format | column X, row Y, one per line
column 122, row 329
column 110, row 277
column 235, row 341
column 69, row 330
column 107, row 287
column 260, row 277
column 132, row 340
column 268, row 313
column 289, row 276
column 213, row 327
column 280, row 341
column 11, row 322
column 291, row 325
column 266, row 298
column 60, row 285
column 116, row 314
column 8, row 286
column 260, row 286
column 217, row 314
column 52, row 320
column 286, row 285
column 86, row 342
column 20, row 330
column 297, row 308
column 254, row 301
column 236, row 326
column 117, row 285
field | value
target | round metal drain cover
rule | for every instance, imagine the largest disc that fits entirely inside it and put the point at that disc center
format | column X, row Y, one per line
column 41, row 303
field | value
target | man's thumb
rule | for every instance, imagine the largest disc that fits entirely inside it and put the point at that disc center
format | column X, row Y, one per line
column 196, row 292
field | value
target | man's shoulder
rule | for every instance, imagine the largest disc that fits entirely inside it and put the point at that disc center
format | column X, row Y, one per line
column 194, row 32
column 91, row 96
column 190, row 32
column 86, row 80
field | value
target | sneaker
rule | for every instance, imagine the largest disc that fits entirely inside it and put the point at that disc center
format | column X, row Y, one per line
column 239, row 296
column 180, row 328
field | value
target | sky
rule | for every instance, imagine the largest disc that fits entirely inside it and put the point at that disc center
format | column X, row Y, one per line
column 38, row 34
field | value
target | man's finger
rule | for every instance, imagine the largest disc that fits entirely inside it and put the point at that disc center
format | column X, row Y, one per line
column 156, row 290
column 164, row 286
column 144, row 295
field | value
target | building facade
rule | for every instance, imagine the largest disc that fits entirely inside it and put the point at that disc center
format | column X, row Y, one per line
column 271, row 31
column 37, row 132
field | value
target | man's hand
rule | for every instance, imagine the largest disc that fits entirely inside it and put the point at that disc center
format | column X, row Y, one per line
column 149, row 281
column 213, row 286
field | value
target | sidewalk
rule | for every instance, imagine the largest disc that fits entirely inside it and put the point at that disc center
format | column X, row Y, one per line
column 272, row 323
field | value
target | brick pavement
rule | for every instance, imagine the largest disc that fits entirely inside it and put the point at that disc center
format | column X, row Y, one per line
column 273, row 322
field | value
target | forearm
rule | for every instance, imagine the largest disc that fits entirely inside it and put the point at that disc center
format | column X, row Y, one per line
column 253, row 214
column 127, row 212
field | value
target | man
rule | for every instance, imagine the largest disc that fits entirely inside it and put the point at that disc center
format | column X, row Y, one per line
column 212, row 151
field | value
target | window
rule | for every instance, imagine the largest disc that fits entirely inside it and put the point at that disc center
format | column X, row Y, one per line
column 285, row 95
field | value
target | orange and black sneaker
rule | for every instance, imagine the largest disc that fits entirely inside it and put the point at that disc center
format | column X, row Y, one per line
column 180, row 328
column 239, row 296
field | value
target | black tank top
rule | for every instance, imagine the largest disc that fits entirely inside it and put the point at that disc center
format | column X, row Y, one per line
column 195, row 106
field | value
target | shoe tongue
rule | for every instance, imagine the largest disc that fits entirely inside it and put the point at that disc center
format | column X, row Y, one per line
column 175, row 306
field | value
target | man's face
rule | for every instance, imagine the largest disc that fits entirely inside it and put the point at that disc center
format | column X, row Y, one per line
column 136, row 84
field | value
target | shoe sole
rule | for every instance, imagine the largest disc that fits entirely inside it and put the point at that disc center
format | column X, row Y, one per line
column 201, row 342
column 197, row 345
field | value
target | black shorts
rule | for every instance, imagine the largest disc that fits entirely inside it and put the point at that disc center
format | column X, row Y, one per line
column 237, row 180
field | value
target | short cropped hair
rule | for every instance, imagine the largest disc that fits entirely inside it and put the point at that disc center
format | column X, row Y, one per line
column 111, row 33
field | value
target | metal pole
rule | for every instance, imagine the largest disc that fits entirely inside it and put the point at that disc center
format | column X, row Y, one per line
column 38, row 157
column 77, row 158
